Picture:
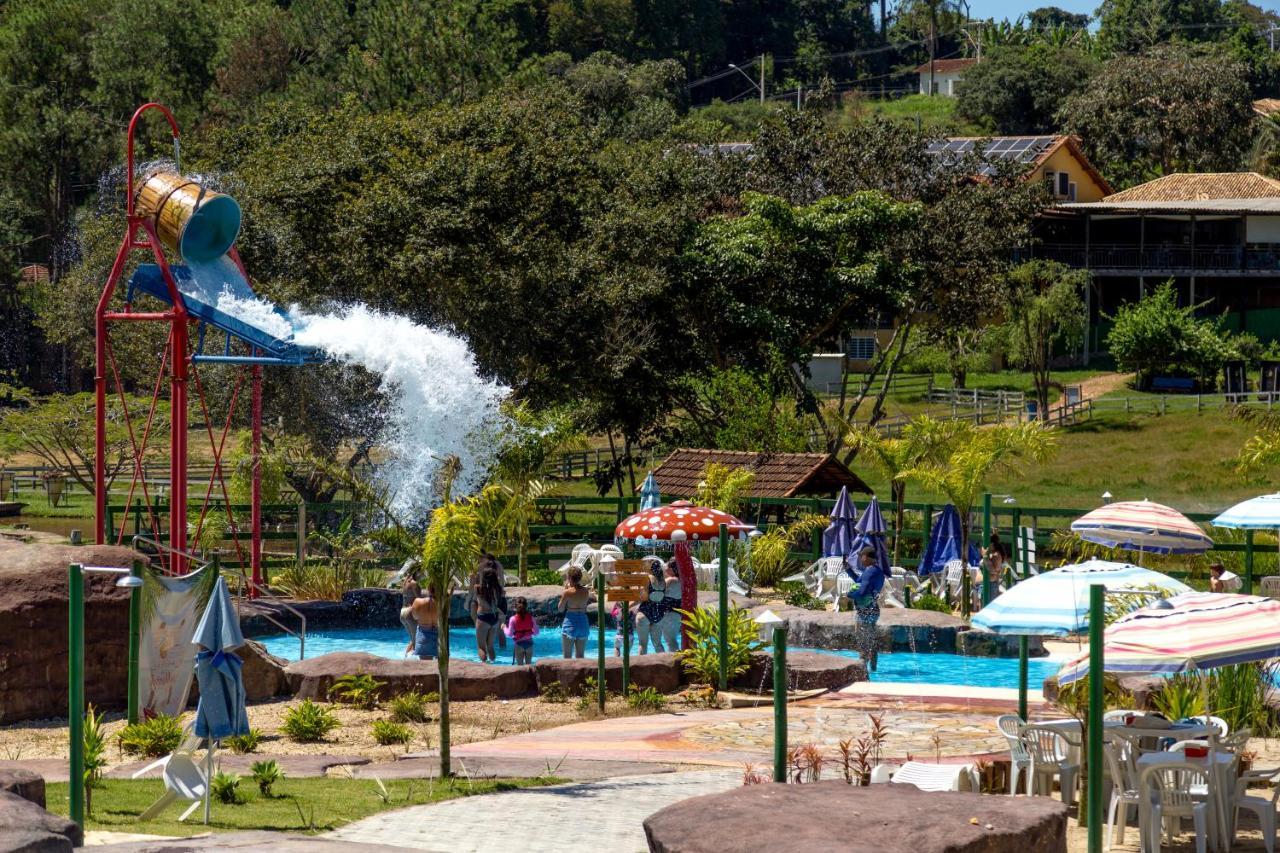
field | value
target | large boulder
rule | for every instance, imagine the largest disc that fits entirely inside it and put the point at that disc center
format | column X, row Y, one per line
column 263, row 672
column 22, row 816
column 984, row 644
column 659, row 671
column 805, row 671
column 899, row 629
column 24, row 783
column 312, row 678
column 777, row 818
column 33, row 621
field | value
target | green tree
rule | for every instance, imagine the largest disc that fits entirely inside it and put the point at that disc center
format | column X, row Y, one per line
column 732, row 409
column 724, row 488
column 60, row 431
column 449, row 551
column 1019, row 90
column 1047, row 318
column 1053, row 16
column 923, row 440
column 1154, row 336
column 974, row 454
column 1133, row 26
column 1173, row 109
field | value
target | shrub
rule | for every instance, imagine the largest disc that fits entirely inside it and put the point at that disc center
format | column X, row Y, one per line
column 387, row 733
column 702, row 659
column 413, row 707
column 266, row 774
column 247, row 742
column 324, row 582
column 225, row 788
column 359, row 690
column 797, row 594
column 1154, row 336
column 646, row 699
column 929, row 601
column 95, row 754
column 152, row 738
column 308, row 722
column 554, row 693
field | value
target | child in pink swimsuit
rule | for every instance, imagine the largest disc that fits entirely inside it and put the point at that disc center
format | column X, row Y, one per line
column 521, row 628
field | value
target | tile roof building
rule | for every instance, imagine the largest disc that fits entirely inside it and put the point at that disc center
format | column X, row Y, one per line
column 778, row 475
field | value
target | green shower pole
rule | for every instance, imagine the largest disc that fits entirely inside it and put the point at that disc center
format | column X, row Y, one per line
column 75, row 690
column 1097, row 610
column 1248, row 561
column 600, row 617
column 135, row 643
column 986, row 543
column 1022, row 677
column 722, row 581
column 780, row 703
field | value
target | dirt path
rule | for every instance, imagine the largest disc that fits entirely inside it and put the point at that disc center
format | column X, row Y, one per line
column 1094, row 386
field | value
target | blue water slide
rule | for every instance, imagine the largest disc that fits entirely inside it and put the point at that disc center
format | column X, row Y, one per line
column 203, row 285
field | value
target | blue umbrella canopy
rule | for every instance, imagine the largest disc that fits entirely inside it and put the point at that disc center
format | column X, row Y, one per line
column 839, row 536
column 944, row 544
column 221, row 712
column 1260, row 513
column 1057, row 602
column 650, row 494
column 871, row 529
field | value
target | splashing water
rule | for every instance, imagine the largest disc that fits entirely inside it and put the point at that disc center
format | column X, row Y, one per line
column 441, row 405
column 257, row 313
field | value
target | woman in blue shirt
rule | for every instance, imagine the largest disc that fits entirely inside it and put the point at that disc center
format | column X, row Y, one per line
column 866, row 601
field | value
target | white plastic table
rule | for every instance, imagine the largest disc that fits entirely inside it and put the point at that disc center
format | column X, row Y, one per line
column 1222, row 786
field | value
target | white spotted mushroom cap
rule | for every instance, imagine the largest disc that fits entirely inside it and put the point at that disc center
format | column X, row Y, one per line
column 696, row 522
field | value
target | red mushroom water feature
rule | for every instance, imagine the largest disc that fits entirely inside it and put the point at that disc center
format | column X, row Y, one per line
column 679, row 523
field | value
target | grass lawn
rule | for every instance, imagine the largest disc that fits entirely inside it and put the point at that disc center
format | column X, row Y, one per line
column 297, row 805
column 935, row 113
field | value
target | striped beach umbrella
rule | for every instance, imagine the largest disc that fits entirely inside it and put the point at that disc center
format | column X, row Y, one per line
column 1143, row 526
column 1056, row 602
column 1192, row 631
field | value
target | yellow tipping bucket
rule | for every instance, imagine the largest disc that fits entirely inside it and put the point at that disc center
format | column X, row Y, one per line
column 201, row 224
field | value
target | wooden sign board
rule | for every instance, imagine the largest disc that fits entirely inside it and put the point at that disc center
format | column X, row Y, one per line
column 628, row 593
column 629, row 573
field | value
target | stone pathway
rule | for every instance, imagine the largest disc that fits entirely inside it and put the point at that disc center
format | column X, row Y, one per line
column 603, row 815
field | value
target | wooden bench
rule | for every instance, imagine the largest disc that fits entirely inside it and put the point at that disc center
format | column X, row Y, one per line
column 1173, row 383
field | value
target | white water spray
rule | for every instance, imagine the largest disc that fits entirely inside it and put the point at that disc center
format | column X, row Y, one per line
column 441, row 405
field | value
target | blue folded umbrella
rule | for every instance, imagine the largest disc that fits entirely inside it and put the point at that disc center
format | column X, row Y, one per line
column 840, row 534
column 870, row 531
column 944, row 544
column 221, row 712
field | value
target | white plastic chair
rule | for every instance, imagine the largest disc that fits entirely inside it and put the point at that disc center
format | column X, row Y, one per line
column 1231, row 582
column 1050, row 753
column 184, row 779
column 1263, row 807
column 1270, row 586
column 1167, row 791
column 709, row 574
column 1117, row 752
column 1010, row 725
column 1217, row 722
column 929, row 777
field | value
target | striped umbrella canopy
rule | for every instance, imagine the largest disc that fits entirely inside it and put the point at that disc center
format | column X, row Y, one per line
column 1143, row 526
column 1057, row 602
column 1195, row 630
column 1260, row 513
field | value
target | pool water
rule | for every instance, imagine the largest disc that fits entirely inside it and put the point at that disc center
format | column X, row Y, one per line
column 898, row 667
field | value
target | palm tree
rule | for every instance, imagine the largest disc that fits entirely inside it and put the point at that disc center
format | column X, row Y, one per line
column 973, row 455
column 532, row 441
column 451, row 547
column 924, row 439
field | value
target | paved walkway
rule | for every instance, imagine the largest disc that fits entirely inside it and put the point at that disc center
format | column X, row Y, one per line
column 603, row 815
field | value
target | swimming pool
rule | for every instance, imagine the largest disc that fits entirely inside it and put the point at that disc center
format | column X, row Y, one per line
column 898, row 667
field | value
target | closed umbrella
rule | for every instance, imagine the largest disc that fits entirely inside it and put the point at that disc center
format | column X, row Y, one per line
column 1143, row 526
column 944, row 544
column 1192, row 631
column 650, row 497
column 871, row 529
column 221, row 712
column 839, row 535
column 1056, row 603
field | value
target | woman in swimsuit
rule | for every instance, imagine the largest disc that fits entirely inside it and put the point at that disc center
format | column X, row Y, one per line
column 574, row 602
column 427, row 638
column 484, row 607
column 652, row 612
column 409, row 593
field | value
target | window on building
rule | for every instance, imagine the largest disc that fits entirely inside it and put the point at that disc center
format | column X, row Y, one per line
column 1064, row 184
column 862, row 348
column 1072, row 194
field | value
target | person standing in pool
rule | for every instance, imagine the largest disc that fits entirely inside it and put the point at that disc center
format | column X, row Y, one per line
column 427, row 638
column 410, row 592
column 574, row 602
column 866, row 601
column 485, row 608
column 522, row 628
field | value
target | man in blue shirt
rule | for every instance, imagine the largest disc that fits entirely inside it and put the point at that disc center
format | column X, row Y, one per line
column 866, row 601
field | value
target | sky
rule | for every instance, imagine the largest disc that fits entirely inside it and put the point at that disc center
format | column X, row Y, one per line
column 1011, row 9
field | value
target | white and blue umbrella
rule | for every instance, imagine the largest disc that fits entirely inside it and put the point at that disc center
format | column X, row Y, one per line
column 1260, row 513
column 221, row 712
column 1056, row 602
column 842, row 532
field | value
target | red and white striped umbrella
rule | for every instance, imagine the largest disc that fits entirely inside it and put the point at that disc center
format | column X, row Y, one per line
column 678, row 520
column 1142, row 526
